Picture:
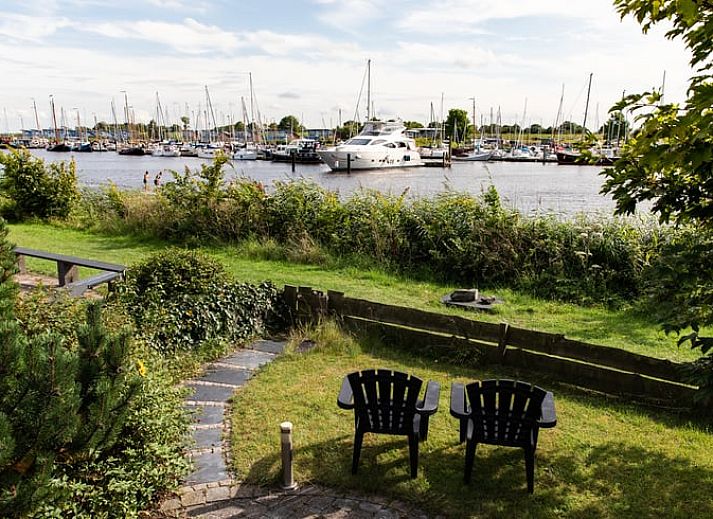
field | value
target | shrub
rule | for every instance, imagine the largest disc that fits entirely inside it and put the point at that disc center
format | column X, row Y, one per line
column 180, row 298
column 35, row 189
column 59, row 405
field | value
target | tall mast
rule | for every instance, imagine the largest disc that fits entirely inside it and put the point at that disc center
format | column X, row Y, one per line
column 37, row 119
column 473, row 99
column 368, row 90
column 586, row 107
column 559, row 113
column 212, row 114
column 126, row 115
column 54, row 120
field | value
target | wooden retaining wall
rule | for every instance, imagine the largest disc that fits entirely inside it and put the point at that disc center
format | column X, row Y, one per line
column 600, row 368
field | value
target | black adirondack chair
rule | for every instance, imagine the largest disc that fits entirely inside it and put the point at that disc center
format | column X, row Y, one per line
column 502, row 412
column 387, row 402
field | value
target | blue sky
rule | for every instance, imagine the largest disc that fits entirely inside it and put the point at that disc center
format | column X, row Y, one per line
column 307, row 57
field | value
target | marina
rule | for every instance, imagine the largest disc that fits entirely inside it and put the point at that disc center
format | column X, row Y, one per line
column 528, row 186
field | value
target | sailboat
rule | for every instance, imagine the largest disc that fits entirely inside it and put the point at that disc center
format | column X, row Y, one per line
column 57, row 146
column 478, row 154
column 248, row 151
column 128, row 148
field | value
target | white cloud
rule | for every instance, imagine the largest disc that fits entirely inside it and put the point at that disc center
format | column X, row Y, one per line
column 30, row 28
column 190, row 37
column 350, row 15
column 464, row 16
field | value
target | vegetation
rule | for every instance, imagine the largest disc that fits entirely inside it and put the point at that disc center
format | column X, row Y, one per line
column 33, row 189
column 304, row 263
column 669, row 162
column 454, row 237
column 179, row 299
column 91, row 420
column 604, row 459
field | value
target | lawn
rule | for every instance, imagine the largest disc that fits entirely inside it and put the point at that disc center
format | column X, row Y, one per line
column 605, row 458
column 623, row 329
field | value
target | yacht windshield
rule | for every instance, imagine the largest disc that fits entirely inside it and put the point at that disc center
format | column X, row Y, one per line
column 358, row 142
column 378, row 141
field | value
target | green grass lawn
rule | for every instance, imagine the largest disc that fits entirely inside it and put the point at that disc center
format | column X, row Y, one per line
column 604, row 458
column 623, row 329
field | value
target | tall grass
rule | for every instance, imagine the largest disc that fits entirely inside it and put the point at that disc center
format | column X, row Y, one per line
column 455, row 237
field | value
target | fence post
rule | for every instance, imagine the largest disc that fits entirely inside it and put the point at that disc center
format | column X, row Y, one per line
column 288, row 480
column 503, row 342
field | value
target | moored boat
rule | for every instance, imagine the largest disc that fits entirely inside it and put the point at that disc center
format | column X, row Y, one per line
column 379, row 145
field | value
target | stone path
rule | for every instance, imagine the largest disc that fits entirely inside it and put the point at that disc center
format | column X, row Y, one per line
column 210, row 492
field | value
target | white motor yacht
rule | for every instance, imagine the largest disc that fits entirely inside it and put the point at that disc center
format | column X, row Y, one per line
column 379, row 145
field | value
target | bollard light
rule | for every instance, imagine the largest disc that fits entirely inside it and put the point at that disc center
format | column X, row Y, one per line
column 288, row 480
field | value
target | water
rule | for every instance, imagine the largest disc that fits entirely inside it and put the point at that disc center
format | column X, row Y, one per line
column 528, row 187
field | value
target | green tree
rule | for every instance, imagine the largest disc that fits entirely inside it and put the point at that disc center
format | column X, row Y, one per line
column 290, row 123
column 412, row 124
column 669, row 163
column 456, row 122
column 35, row 189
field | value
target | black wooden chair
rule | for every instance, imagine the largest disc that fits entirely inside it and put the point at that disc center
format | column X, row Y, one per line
column 502, row 412
column 387, row 402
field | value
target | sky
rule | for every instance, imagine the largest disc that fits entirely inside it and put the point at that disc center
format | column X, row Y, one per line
column 308, row 58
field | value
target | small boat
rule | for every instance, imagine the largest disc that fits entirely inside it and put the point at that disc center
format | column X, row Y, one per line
column 602, row 157
column 476, row 155
column 165, row 149
column 59, row 146
column 245, row 153
column 209, row 151
column 379, row 145
column 132, row 149
column 302, row 151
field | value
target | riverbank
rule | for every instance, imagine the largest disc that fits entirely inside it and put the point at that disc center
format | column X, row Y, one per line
column 251, row 262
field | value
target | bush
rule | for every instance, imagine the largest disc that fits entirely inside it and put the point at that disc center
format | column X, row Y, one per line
column 59, row 405
column 35, row 189
column 180, row 298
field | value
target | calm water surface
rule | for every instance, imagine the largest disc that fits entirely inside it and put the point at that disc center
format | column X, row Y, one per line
column 529, row 187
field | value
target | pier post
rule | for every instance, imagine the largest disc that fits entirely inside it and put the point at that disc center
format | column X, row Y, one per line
column 349, row 163
column 293, row 157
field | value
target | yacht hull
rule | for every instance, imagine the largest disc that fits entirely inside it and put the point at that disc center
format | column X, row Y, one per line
column 358, row 160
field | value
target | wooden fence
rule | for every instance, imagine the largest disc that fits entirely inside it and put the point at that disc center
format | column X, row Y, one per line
column 599, row 368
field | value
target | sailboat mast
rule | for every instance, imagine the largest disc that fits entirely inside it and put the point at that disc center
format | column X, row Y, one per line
column 559, row 113
column 368, row 90
column 586, row 106
column 37, row 119
column 212, row 114
column 473, row 99
column 54, row 120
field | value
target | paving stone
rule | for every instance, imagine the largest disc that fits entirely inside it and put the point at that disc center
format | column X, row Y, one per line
column 203, row 393
column 206, row 438
column 208, row 467
column 369, row 507
column 250, row 359
column 268, row 346
column 206, row 414
column 224, row 375
column 218, row 494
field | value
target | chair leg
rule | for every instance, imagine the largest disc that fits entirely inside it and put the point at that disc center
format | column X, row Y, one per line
column 413, row 454
column 530, row 469
column 423, row 428
column 470, row 447
column 358, row 437
column 463, row 429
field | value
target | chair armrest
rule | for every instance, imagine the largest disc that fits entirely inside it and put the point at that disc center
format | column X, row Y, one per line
column 458, row 407
column 429, row 405
column 549, row 416
column 345, row 400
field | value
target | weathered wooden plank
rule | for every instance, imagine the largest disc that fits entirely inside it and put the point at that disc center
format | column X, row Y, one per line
column 424, row 342
column 420, row 319
column 77, row 288
column 553, row 344
column 72, row 260
column 602, row 379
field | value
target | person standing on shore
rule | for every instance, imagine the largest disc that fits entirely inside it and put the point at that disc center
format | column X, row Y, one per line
column 146, row 181
column 157, row 180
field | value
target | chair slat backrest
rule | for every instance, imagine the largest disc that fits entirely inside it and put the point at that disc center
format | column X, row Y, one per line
column 505, row 412
column 384, row 400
